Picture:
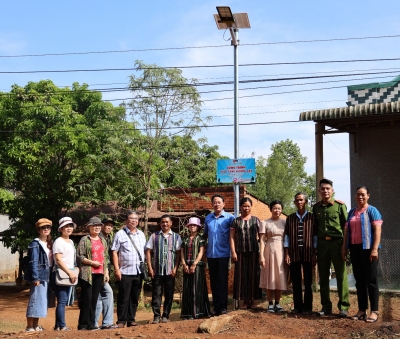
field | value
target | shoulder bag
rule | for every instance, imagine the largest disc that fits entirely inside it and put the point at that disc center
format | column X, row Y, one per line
column 142, row 265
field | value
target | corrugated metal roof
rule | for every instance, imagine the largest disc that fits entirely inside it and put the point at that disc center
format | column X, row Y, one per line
column 352, row 111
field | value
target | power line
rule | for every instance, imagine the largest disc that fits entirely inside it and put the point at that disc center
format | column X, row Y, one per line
column 194, row 47
column 196, row 66
column 124, row 89
column 153, row 128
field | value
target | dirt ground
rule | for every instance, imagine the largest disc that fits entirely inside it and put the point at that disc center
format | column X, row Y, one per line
column 255, row 323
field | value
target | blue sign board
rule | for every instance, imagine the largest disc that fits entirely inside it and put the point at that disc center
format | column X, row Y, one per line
column 236, row 171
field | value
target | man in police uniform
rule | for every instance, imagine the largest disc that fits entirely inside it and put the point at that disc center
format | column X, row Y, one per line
column 331, row 216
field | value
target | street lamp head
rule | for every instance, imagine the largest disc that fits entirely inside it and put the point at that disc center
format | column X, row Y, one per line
column 225, row 14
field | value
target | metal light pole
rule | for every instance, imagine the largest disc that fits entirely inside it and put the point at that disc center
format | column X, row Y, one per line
column 226, row 20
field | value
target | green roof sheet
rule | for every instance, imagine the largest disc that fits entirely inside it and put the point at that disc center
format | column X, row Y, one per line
column 352, row 111
column 374, row 85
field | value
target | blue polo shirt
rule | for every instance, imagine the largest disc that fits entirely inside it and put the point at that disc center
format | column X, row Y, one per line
column 218, row 231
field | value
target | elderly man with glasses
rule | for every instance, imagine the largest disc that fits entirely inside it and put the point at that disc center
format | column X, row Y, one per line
column 128, row 250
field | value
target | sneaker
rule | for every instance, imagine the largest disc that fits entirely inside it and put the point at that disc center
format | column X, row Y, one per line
column 156, row 320
column 112, row 327
column 270, row 309
column 278, row 308
column 343, row 314
column 29, row 329
column 39, row 328
column 324, row 313
column 164, row 320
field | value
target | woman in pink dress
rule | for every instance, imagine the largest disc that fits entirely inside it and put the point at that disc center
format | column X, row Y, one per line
column 273, row 267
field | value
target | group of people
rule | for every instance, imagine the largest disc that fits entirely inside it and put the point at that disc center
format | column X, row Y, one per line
column 323, row 236
column 263, row 252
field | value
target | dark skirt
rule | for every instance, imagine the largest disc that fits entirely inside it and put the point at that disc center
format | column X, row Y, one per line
column 195, row 303
column 247, row 277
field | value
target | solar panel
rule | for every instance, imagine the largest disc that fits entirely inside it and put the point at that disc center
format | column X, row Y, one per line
column 241, row 21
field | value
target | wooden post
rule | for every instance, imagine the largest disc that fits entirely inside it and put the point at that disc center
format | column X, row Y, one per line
column 319, row 174
column 319, row 153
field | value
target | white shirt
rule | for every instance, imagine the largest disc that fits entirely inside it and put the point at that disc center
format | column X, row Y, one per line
column 67, row 250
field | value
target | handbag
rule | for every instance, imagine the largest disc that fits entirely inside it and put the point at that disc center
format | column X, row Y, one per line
column 62, row 278
column 143, row 269
column 142, row 265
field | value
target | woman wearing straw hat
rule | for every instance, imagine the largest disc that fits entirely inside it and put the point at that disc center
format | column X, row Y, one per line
column 64, row 258
column 38, row 274
column 195, row 302
column 92, row 258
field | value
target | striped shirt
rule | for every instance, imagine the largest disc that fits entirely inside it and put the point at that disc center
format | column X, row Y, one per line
column 128, row 258
column 164, row 247
column 299, row 237
column 246, row 235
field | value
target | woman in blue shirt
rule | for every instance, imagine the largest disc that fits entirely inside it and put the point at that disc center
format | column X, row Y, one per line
column 362, row 235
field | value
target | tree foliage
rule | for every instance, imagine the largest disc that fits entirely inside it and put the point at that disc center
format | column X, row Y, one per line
column 282, row 175
column 165, row 104
column 46, row 154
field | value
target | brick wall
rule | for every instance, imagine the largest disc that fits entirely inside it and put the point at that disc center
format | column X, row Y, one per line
column 199, row 199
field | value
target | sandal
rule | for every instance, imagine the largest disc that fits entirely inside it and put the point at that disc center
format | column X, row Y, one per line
column 361, row 315
column 372, row 320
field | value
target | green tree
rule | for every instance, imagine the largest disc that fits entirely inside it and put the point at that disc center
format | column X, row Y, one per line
column 47, row 153
column 282, row 175
column 164, row 104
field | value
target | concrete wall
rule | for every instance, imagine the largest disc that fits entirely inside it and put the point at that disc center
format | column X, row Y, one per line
column 8, row 261
column 375, row 163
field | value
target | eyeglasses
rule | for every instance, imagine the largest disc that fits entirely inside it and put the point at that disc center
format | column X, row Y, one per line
column 47, row 227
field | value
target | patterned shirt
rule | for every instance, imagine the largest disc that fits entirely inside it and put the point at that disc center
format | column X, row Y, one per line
column 246, row 236
column 97, row 255
column 85, row 252
column 128, row 258
column 308, row 236
column 191, row 249
column 164, row 247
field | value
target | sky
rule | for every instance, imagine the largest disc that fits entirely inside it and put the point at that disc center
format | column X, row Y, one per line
column 49, row 27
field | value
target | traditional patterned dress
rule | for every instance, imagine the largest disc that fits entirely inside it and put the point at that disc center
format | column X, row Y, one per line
column 273, row 275
column 247, row 268
column 195, row 303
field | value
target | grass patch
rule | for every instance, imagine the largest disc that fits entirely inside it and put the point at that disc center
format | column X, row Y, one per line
column 10, row 326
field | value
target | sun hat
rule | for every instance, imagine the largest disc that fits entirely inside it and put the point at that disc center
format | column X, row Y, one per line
column 64, row 222
column 194, row 221
column 42, row 222
column 94, row 221
column 108, row 220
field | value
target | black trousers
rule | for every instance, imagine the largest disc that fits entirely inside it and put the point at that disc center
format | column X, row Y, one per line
column 218, row 269
column 162, row 284
column 88, row 300
column 366, row 275
column 295, row 274
column 129, row 288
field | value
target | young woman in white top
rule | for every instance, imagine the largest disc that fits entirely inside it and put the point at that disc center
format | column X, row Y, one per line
column 64, row 258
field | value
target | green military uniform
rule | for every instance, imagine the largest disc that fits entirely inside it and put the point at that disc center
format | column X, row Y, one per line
column 331, row 219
